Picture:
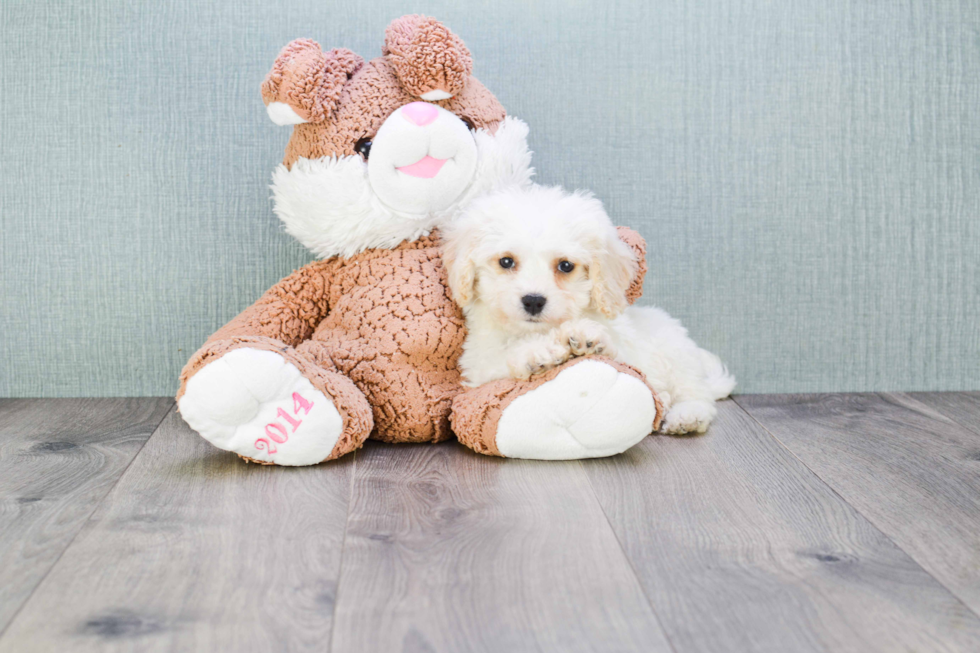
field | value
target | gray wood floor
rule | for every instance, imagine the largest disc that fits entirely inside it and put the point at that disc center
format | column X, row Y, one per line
column 798, row 523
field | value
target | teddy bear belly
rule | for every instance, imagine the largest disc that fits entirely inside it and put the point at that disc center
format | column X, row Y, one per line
column 409, row 405
column 403, row 359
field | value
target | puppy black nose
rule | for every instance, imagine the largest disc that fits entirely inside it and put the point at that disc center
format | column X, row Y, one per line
column 534, row 304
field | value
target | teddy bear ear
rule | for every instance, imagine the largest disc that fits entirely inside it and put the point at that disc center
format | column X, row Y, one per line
column 431, row 62
column 305, row 82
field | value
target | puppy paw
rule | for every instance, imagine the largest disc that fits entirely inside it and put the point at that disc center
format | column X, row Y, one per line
column 535, row 356
column 585, row 337
column 689, row 417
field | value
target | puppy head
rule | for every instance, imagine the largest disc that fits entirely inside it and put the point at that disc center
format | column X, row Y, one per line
column 536, row 257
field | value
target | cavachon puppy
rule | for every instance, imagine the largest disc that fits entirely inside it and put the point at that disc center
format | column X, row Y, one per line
column 542, row 276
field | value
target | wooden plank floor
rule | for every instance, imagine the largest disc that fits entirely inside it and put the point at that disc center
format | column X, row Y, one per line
column 740, row 547
column 58, row 459
column 908, row 468
column 797, row 523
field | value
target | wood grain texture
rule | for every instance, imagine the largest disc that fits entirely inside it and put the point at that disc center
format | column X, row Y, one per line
column 196, row 550
column 909, row 469
column 58, row 459
column 741, row 548
column 961, row 407
column 451, row 551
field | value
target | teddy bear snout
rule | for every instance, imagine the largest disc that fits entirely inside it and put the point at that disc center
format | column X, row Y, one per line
column 420, row 113
column 423, row 159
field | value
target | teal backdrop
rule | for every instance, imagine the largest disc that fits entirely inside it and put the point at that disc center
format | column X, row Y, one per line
column 807, row 174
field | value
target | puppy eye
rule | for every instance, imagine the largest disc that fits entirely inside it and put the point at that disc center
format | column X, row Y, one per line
column 363, row 147
column 506, row 262
column 566, row 266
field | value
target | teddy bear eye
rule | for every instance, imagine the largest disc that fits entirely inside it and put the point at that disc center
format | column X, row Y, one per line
column 566, row 266
column 363, row 147
column 506, row 262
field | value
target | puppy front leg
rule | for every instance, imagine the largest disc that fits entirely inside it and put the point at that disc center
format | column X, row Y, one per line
column 537, row 354
column 585, row 337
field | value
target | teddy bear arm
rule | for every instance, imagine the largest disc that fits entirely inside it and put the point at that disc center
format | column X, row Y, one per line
column 289, row 311
column 639, row 247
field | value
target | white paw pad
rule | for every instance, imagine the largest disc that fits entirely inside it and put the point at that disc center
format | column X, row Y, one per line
column 255, row 403
column 589, row 410
column 689, row 417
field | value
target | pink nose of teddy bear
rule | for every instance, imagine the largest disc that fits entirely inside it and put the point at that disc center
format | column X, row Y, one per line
column 420, row 113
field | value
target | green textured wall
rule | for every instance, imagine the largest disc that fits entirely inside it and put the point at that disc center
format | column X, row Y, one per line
column 806, row 173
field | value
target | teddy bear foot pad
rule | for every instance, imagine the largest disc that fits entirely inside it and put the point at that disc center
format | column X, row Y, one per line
column 590, row 410
column 258, row 405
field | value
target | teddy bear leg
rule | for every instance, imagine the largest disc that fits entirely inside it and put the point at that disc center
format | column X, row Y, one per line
column 276, row 407
column 588, row 408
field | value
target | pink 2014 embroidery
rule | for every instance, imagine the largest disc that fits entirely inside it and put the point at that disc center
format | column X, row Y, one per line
column 276, row 431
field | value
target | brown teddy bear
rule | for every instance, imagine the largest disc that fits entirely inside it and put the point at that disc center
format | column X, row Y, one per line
column 364, row 342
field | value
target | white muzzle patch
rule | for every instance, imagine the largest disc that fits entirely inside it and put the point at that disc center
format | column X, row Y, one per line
column 422, row 168
column 330, row 205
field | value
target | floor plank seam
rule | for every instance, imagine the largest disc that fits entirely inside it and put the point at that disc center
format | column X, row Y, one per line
column 88, row 517
column 972, row 428
column 629, row 561
column 864, row 516
column 343, row 550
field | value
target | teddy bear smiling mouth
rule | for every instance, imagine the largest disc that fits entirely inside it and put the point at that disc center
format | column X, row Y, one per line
column 425, row 168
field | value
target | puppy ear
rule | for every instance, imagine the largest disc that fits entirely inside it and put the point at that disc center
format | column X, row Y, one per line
column 305, row 82
column 431, row 62
column 612, row 270
column 457, row 256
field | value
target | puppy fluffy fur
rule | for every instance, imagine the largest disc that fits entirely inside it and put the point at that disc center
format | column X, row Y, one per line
column 541, row 275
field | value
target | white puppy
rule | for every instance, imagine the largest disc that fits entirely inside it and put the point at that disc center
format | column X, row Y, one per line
column 542, row 276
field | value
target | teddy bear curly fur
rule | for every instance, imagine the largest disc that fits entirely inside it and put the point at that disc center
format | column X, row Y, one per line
column 364, row 342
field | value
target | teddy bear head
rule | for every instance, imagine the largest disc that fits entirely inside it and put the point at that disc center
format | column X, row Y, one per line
column 385, row 150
